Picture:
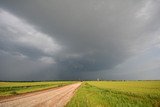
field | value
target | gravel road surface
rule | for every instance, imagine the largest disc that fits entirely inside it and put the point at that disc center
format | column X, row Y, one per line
column 56, row 97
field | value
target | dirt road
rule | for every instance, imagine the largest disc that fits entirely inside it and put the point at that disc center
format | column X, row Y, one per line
column 48, row 98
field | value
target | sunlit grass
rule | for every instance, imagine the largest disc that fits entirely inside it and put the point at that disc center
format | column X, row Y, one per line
column 137, row 87
column 117, row 94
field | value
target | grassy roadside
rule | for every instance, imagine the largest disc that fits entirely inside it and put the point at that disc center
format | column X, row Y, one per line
column 106, row 94
column 14, row 88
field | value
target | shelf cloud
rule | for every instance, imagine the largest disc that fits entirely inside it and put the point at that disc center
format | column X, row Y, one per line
column 72, row 39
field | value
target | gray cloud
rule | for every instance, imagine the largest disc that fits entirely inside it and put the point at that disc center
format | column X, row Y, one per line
column 77, row 39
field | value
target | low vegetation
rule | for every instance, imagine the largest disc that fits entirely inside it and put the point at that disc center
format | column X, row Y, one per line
column 117, row 94
column 14, row 88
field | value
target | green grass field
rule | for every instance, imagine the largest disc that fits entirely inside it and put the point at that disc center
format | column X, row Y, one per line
column 14, row 88
column 117, row 94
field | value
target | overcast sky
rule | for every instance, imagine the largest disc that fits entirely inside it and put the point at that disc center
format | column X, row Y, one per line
column 79, row 39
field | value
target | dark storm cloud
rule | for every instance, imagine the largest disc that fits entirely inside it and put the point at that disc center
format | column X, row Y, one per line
column 92, row 35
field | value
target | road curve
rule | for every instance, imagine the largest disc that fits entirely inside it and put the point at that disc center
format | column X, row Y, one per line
column 57, row 97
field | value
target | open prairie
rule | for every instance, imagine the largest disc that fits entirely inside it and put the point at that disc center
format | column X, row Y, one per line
column 89, row 94
column 14, row 88
column 117, row 94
